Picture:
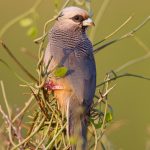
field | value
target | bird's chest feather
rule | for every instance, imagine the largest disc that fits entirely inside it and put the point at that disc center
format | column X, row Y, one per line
column 76, row 53
column 77, row 59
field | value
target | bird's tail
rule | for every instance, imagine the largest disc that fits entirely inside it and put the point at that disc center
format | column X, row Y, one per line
column 77, row 125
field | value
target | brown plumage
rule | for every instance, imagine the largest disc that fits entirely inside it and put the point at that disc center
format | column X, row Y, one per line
column 70, row 47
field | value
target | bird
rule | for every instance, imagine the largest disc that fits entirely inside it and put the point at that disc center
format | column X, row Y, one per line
column 69, row 46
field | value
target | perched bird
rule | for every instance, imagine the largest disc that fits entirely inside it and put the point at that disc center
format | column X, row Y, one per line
column 69, row 46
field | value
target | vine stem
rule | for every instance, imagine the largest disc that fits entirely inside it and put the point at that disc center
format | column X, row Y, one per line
column 7, row 117
column 27, row 104
column 31, row 135
column 56, row 136
column 129, row 34
column 116, row 76
column 115, row 31
column 5, row 99
column 46, row 133
column 17, row 61
column 96, row 139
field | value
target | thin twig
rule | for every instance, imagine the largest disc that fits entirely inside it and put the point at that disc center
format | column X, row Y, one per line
column 106, row 103
column 5, row 99
column 103, row 96
column 15, row 74
column 114, row 32
column 95, row 140
column 31, row 135
column 17, row 62
column 46, row 133
column 27, row 104
column 129, row 34
column 8, row 118
column 54, row 138
column 34, row 122
column 122, row 75
column 11, row 126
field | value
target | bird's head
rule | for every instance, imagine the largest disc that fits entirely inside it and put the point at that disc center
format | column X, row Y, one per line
column 74, row 17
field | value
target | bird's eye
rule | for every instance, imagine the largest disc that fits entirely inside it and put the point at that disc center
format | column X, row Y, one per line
column 78, row 18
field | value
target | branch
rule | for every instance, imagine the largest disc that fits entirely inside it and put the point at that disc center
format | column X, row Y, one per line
column 46, row 133
column 17, row 62
column 31, row 135
column 129, row 34
column 27, row 104
column 5, row 99
column 56, row 135
column 114, row 32
column 120, row 76
column 15, row 74
column 7, row 119
column 10, row 126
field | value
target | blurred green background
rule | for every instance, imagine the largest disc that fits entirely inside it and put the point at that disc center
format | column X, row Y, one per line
column 130, row 98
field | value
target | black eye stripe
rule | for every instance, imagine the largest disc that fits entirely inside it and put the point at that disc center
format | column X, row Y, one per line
column 78, row 18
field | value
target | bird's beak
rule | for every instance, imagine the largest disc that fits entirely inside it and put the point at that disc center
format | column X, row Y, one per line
column 88, row 22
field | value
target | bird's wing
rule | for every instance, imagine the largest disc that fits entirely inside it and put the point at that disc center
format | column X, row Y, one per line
column 82, row 72
column 83, row 76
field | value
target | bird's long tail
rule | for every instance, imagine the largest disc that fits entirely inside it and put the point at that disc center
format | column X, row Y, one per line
column 77, row 125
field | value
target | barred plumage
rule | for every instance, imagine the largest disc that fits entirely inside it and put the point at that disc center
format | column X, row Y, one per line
column 70, row 47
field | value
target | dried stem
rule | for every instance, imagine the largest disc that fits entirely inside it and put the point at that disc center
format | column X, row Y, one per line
column 10, row 126
column 17, row 61
column 31, row 135
column 5, row 99
column 129, row 34
column 115, row 31
column 54, row 138
column 27, row 104
column 47, row 128
column 116, row 76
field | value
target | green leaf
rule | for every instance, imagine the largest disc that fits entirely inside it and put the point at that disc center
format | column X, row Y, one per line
column 60, row 72
column 108, row 117
column 32, row 31
column 26, row 22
